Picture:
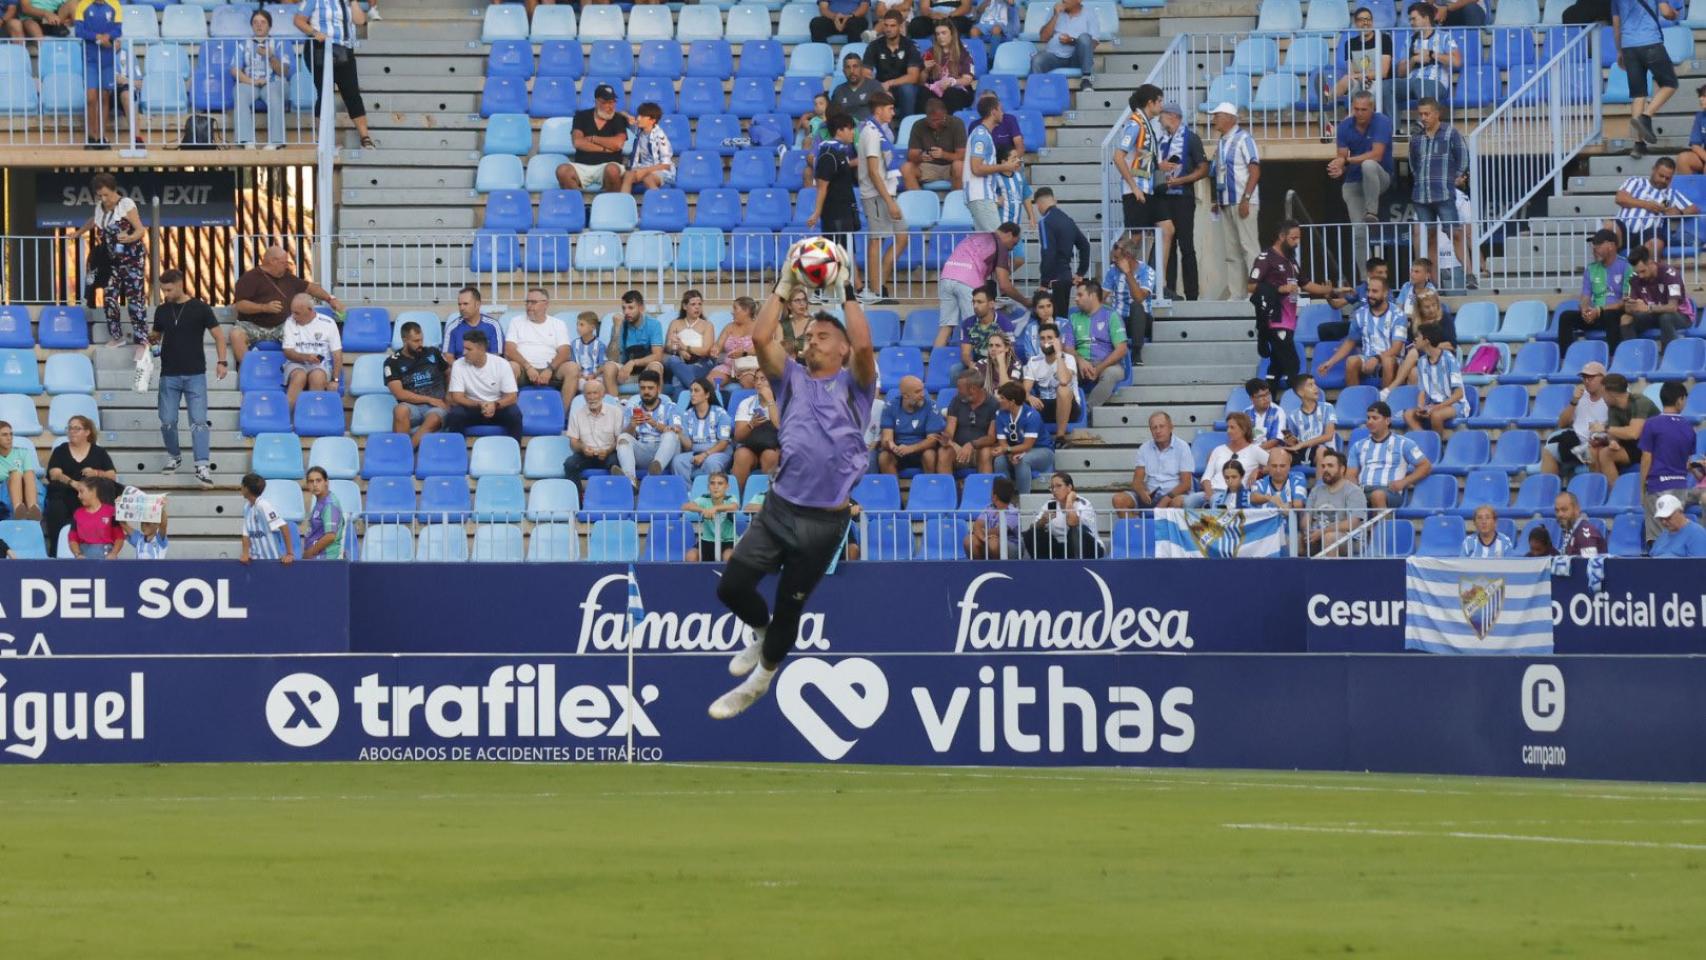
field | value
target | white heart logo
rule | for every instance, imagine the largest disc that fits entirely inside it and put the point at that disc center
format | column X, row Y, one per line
column 856, row 687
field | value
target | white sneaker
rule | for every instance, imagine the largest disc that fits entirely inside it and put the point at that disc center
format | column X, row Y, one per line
column 743, row 662
column 204, row 474
column 373, row 14
column 171, row 466
column 750, row 691
column 867, row 297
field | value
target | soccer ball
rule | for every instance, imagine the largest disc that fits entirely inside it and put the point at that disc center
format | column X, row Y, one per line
column 819, row 262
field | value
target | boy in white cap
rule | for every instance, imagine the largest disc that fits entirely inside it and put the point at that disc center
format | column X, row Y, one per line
column 1237, row 172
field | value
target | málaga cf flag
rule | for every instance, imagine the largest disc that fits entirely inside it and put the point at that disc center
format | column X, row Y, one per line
column 1219, row 533
column 1478, row 606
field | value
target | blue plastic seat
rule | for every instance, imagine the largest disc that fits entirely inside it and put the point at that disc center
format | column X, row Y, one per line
column 442, row 543
column 1013, row 58
column 552, row 97
column 561, row 58
column 1428, row 441
column 337, row 456
column 510, row 133
column 494, row 250
column 1048, row 93
column 508, row 58
column 63, row 328
column 562, row 210
column 20, row 411
column 699, row 97
column 797, row 94
column 277, row 456
column 698, row 170
column 613, row 541
column 1442, row 536
column 1352, row 405
column 1580, row 354
column 388, row 455
column 699, row 22
column 718, row 207
column 553, row 499
column 653, row 90
column 1524, row 320
column 662, row 494
column 441, row 454
column 1684, row 359
column 444, row 500
column 932, row 493
column 647, row 250
column 502, row 95
column 1549, row 404
column 1627, row 538
column 1590, row 489
column 747, row 22
column 607, row 496
column 389, row 542
column 660, row 58
column 15, row 328
column 811, row 60
column 1624, row 496
column 504, row 22
column 499, row 172
column 68, row 373
column 751, row 96
column 598, row 251
column 1276, row 92
column 18, row 372
column 1464, row 452
column 497, row 543
column 944, row 538
column 1485, row 487
column 877, row 492
column 1534, row 363
column 1505, row 404
column 366, row 330
column 508, row 211
column 542, row 414
column 1534, row 497
column 497, row 456
column 615, row 212
column 1477, row 320
column 713, row 59
column 1005, row 88
column 700, row 248
column 897, row 363
column 319, row 413
column 1635, row 358
column 938, row 372
column 890, row 538
column 611, row 60
column 664, row 210
column 885, row 327
column 1518, row 451
column 264, row 411
column 767, row 208
column 718, row 132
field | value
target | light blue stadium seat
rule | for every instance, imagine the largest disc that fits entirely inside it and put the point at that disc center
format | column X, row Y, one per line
column 557, row 23
column 920, row 209
column 553, row 499
column 277, row 456
column 1679, row 43
column 499, row 172
column 1684, row 359
column 510, row 133
column 615, row 212
column 1616, row 90
column 183, row 22
column 541, row 172
column 68, row 373
column 443, row 542
column 1255, row 56
column 647, row 250
column 432, row 330
column 20, row 411
column 1276, row 92
column 811, row 60
column 25, row 538
column 556, row 135
column 1477, row 320
column 1327, row 15
column 697, row 22
column 142, row 21
column 598, row 250
column 700, row 248
column 15, row 328
column 650, row 22
column 1037, row 16
column 553, row 543
column 319, row 413
column 263, row 411
column 747, row 21
column 613, row 541
column 494, row 250
column 1308, row 55
column 1227, row 88
column 497, row 543
column 1279, row 16
column 1590, row 489
column 544, row 457
column 388, row 543
column 337, row 456
column 1524, row 320
column 1013, row 58
column 504, row 22
column 496, row 456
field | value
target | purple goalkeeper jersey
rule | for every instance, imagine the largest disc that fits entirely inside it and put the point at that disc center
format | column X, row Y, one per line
column 823, row 436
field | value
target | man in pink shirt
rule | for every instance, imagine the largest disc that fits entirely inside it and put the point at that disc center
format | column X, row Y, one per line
column 976, row 261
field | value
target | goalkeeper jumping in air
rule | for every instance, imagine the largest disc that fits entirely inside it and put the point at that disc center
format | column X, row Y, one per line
column 825, row 403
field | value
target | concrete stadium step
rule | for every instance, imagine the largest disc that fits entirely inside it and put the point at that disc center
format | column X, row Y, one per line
column 389, row 197
column 420, row 221
column 1173, row 375
column 465, row 102
column 410, row 180
column 142, row 466
column 119, row 381
column 1174, row 353
column 424, row 28
column 1164, row 330
column 141, row 420
column 1575, row 205
column 420, row 148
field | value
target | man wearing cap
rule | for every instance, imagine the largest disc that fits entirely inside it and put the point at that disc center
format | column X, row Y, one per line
column 1587, row 412
column 1605, row 283
column 1237, row 172
column 599, row 134
column 1364, row 165
column 1183, row 163
column 1677, row 537
column 1667, row 441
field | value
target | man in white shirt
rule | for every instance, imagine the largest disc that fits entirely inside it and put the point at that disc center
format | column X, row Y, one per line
column 1069, row 40
column 482, row 391
column 537, row 347
column 313, row 350
column 1051, row 381
column 1237, row 201
column 594, row 427
column 879, row 188
column 1586, row 414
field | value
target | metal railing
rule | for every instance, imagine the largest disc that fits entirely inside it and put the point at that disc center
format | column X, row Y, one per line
column 152, row 90
column 1529, row 140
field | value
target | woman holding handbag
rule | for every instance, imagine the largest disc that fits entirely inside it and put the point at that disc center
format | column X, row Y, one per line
column 334, row 22
column 118, row 260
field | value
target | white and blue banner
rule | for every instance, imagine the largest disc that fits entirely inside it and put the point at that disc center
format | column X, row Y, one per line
column 1219, row 533
column 1478, row 606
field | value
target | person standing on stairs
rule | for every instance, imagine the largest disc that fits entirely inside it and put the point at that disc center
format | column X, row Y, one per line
column 333, row 22
column 180, row 324
column 1637, row 27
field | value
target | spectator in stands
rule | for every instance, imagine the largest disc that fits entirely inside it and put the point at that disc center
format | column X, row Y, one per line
column 690, row 344
column 1618, row 447
column 1693, row 158
column 1059, row 237
column 1237, row 174
column 96, row 533
column 181, row 323
column 1441, row 398
column 1637, row 31
column 150, row 541
column 1576, row 536
column 840, row 18
column 117, row 227
column 324, row 529
column 1128, row 285
column 985, row 173
column 1378, row 330
column 705, row 431
column 1364, row 165
column 36, row 19
column 648, row 440
column 996, row 19
column 1163, row 476
column 587, row 357
column 1313, row 425
column 853, row 95
column 313, row 350
column 1586, row 414
column 1485, row 542
column 1387, row 465
column 975, row 262
column 1605, row 285
column 1431, row 60
column 796, row 323
column 265, row 534
column 532, row 5
column 1275, row 288
column 1280, row 486
column 599, row 135
column 1233, row 495
column 958, row 12
column 997, row 523
column 78, row 458
column 896, row 64
column 1368, row 63
column 1540, row 542
column 1022, row 447
column 334, row 22
column 1002, row 365
column 1646, row 206
column 968, row 432
column 1421, row 281
column 1268, row 421
column 1069, row 40
column 264, row 294
column 639, row 343
column 1065, row 527
column 19, row 468
column 1677, row 537
column 836, row 172
column 262, row 69
column 99, row 24
column 1461, row 13
column 813, row 129
column 1426, row 310
column 949, row 73
column 879, row 185
column 652, row 164
column 1336, row 505
column 595, row 426
column 756, row 442
column 469, row 317
column 935, row 149
column 1356, row 296
column 1137, row 158
column 1238, row 446
column 1666, row 443
column 1099, row 342
column 717, row 525
column 912, row 429
column 418, row 376
column 739, row 364
column 1657, row 298
column 1183, row 163
column 1051, row 380
column 1439, row 157
column 977, row 330
column 482, row 391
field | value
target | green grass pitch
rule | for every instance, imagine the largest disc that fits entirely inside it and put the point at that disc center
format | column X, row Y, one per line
column 500, row 861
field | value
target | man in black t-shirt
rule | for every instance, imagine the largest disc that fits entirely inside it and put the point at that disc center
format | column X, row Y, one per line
column 417, row 375
column 180, row 322
column 837, row 205
column 895, row 63
column 599, row 136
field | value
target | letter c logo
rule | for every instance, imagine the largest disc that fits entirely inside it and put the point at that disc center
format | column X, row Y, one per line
column 1543, row 698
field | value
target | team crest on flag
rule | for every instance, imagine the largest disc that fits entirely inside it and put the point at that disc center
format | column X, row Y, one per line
column 1217, row 534
column 1259, row 532
column 1482, row 598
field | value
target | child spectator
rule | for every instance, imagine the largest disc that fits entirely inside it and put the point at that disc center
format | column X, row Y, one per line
column 324, row 530
column 1235, row 496
column 96, row 533
column 717, row 528
column 149, row 540
column 814, row 129
column 265, row 534
column 586, row 356
column 652, row 164
column 998, row 522
column 20, row 476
